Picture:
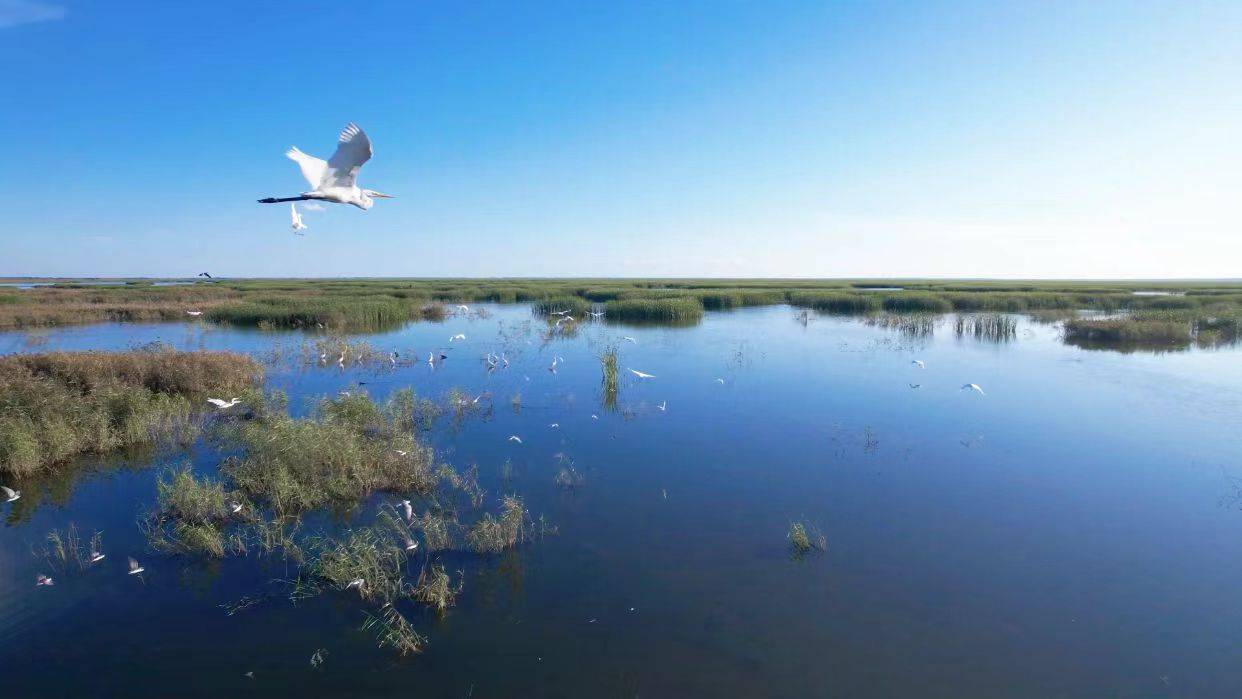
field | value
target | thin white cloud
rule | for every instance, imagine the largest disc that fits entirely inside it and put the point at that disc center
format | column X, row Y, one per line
column 15, row 12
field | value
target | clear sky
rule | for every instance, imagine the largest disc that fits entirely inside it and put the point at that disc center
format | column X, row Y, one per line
column 826, row 139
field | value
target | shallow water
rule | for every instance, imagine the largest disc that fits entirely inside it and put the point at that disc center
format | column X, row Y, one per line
column 1073, row 533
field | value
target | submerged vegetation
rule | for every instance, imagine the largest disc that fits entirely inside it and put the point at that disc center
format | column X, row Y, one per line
column 54, row 406
column 804, row 538
column 608, row 380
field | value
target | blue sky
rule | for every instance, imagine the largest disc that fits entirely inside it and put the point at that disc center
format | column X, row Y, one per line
column 824, row 139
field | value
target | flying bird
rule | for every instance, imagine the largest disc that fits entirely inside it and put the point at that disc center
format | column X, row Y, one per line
column 554, row 425
column 9, row 494
column 235, row 507
column 463, row 308
column 134, row 568
column 194, row 313
column 720, row 381
column 973, row 387
column 596, row 314
column 410, row 544
column 515, row 438
column 204, row 274
column 408, row 510
column 457, row 337
column 918, row 363
column 298, row 226
column 223, row 404
column 96, row 556
column 356, row 582
column 915, row 385
column 640, row 374
column 336, row 180
column 627, row 338
column 663, row 405
column 43, row 581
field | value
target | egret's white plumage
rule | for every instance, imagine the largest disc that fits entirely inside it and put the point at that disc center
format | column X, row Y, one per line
column 627, row 338
column 973, row 387
column 223, row 404
column 640, row 374
column 408, row 510
column 134, row 568
column 663, row 405
column 596, row 314
column 298, row 226
column 10, row 495
column 458, row 336
column 194, row 313
column 336, row 179
column 919, row 363
column 43, row 581
column 515, row 438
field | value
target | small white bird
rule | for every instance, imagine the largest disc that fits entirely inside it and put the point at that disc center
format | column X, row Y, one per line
column 222, row 404
column 554, row 425
column 336, row 179
column 356, row 582
column 457, row 337
column 43, row 581
column 640, row 374
column 134, row 568
column 919, row 363
column 194, row 313
column 915, row 385
column 410, row 544
column 235, row 507
column 408, row 510
column 298, row 226
column 663, row 405
column 627, row 338
column 393, row 358
column 97, row 556
column 431, row 359
column 594, row 417
column 559, row 313
column 596, row 314
column 720, row 381
column 515, row 438
column 973, row 387
column 9, row 494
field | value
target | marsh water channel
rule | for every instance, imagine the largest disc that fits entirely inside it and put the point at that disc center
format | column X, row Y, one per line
column 1073, row 531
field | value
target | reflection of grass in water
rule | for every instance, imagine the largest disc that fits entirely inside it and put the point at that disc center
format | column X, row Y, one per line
column 991, row 327
column 58, row 405
column 805, row 538
column 608, row 366
column 911, row 324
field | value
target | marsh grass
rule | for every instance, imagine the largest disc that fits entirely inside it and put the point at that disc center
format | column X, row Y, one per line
column 193, row 517
column 805, row 538
column 989, row 327
column 65, row 550
column 435, row 588
column 495, row 533
column 608, row 379
column 392, row 630
column 55, row 406
column 365, row 554
column 909, row 324
column 568, row 478
column 678, row 310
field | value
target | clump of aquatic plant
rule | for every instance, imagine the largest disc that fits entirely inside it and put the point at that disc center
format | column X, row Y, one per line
column 568, row 478
column 349, row 449
column 66, row 550
column 193, row 515
column 435, row 588
column 493, row 534
column 364, row 561
column 406, row 408
column 838, row 302
column 677, row 310
column 392, row 630
column 804, row 538
column 608, row 379
column 575, row 306
column 991, row 327
column 55, row 406
column 437, row 530
column 1129, row 329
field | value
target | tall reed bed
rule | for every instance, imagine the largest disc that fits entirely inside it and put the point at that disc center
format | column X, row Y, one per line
column 665, row 310
column 55, row 406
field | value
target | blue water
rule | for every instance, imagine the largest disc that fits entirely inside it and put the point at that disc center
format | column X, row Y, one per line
column 1073, row 533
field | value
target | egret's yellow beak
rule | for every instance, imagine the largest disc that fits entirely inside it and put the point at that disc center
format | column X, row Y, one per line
column 381, row 195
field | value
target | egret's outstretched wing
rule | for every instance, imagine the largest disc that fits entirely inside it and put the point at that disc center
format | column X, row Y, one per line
column 313, row 168
column 351, row 153
column 293, row 211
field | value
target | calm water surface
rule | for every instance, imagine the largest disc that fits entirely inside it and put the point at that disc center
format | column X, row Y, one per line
column 1074, row 533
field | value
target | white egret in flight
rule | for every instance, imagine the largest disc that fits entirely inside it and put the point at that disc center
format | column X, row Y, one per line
column 457, row 337
column 919, row 363
column 596, row 314
column 223, row 404
column 10, row 495
column 515, row 438
column 134, row 568
column 627, row 338
column 336, row 180
column 973, row 387
column 298, row 226
column 43, row 581
column 194, row 313
column 641, row 375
